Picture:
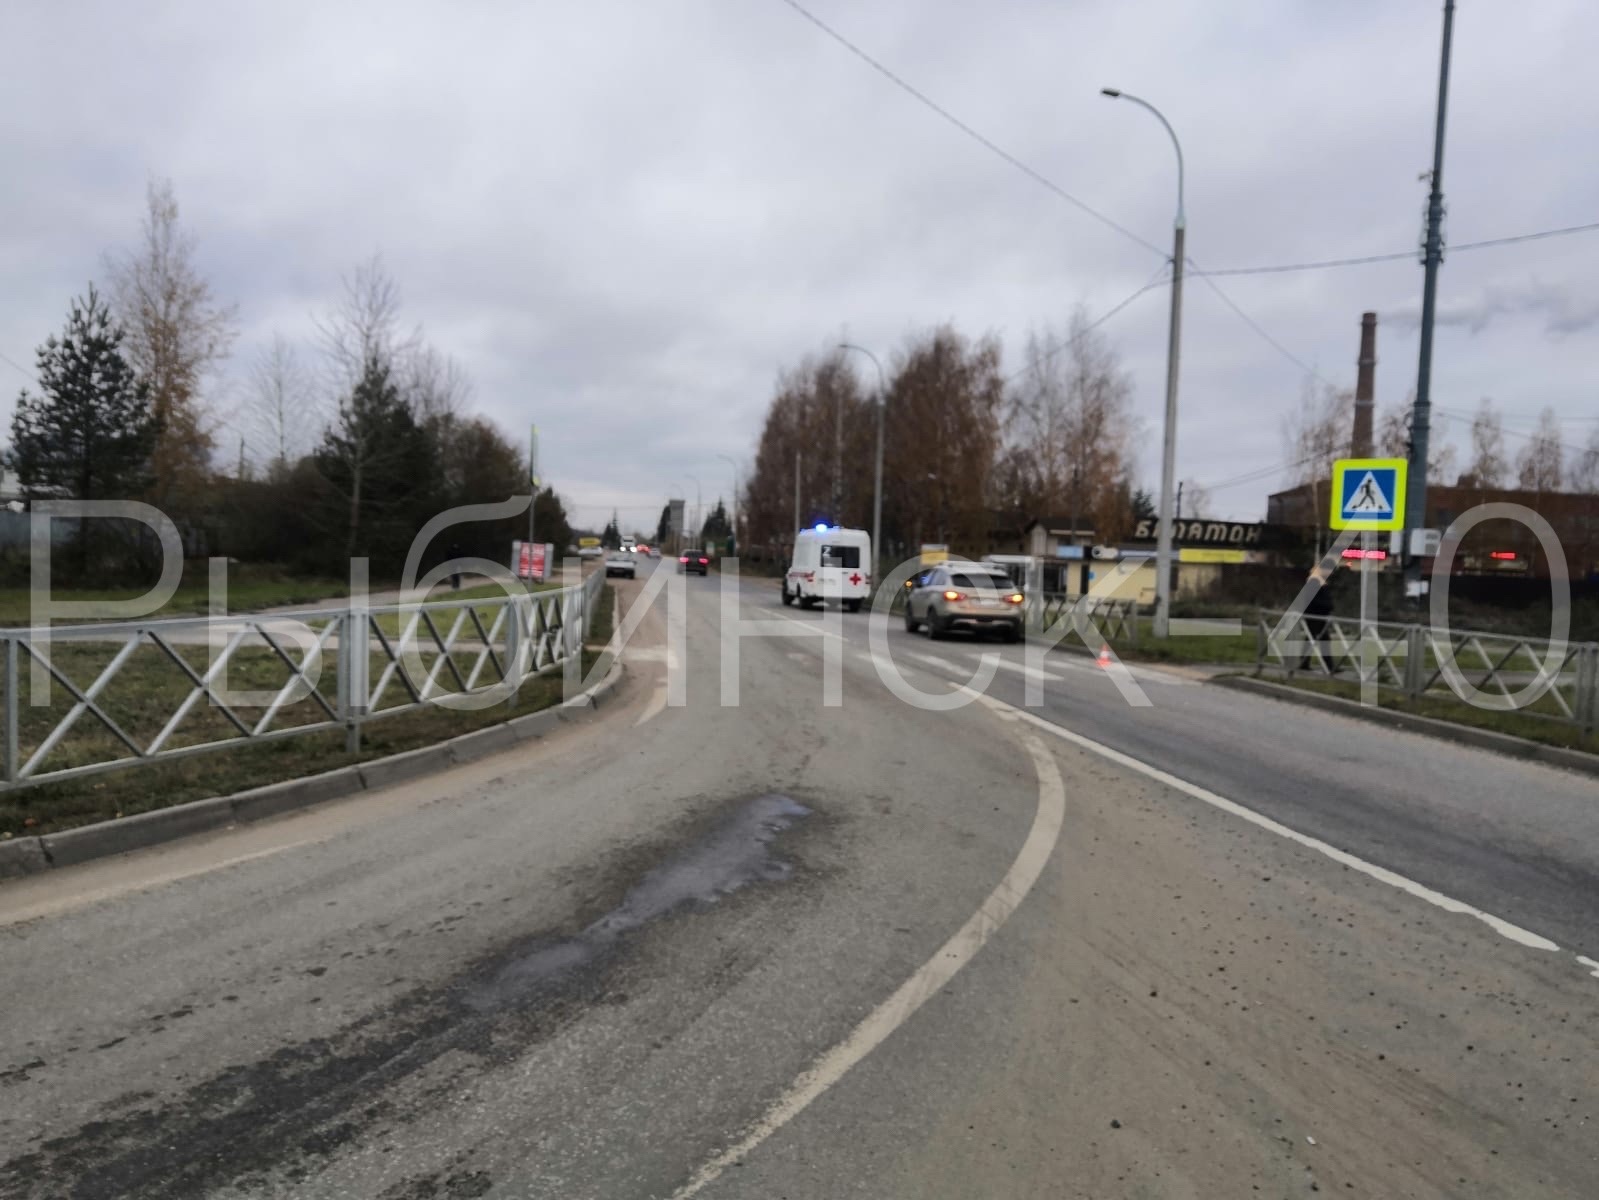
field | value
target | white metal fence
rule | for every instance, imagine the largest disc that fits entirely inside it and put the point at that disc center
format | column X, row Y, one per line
column 1555, row 681
column 81, row 699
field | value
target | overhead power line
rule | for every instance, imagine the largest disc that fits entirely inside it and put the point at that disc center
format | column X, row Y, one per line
column 1283, row 268
column 1156, row 280
column 921, row 97
column 19, row 368
column 1258, row 474
column 1461, row 418
column 1035, row 175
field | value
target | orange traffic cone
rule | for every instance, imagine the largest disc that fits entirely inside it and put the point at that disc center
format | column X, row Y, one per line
column 1104, row 659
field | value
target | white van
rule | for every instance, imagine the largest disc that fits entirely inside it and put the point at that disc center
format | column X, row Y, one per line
column 830, row 564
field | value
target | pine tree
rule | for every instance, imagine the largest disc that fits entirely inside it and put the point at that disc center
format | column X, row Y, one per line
column 716, row 525
column 89, row 432
column 381, row 465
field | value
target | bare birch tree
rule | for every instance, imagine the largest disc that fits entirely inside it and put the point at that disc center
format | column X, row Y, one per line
column 279, row 416
column 1538, row 466
column 1488, row 461
column 177, row 334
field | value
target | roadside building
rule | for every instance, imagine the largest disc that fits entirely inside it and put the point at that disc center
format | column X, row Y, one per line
column 1495, row 547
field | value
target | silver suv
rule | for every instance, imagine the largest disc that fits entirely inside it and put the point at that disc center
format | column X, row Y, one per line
column 964, row 595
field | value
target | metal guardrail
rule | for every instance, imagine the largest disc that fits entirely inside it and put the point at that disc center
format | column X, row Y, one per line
column 1115, row 618
column 1533, row 676
column 181, row 686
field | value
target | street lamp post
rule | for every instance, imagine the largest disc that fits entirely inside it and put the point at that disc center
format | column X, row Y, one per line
column 877, row 486
column 1168, row 463
column 699, row 516
column 738, row 542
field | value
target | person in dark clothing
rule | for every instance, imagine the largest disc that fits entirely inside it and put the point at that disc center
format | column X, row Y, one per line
column 1318, row 608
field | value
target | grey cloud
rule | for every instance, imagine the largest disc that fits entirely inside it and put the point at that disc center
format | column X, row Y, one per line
column 624, row 218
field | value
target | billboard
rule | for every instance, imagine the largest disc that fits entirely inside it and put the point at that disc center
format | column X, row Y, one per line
column 532, row 560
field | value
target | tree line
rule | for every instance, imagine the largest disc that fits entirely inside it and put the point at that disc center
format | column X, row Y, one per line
column 1319, row 431
column 968, row 451
column 359, row 438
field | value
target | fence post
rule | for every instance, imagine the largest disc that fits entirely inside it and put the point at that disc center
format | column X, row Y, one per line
column 11, row 710
column 352, row 662
column 513, row 646
column 1588, row 688
column 1033, row 592
column 1415, row 653
column 1260, row 644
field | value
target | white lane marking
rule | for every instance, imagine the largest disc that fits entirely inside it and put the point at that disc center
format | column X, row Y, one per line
column 928, row 978
column 1498, row 924
column 656, row 705
column 1588, row 962
column 933, row 660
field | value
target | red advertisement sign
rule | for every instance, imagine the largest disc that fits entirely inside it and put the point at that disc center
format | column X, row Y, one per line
column 532, row 560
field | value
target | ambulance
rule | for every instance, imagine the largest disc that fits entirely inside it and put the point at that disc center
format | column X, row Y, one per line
column 830, row 564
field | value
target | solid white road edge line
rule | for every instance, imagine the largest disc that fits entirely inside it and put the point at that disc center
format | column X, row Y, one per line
column 928, row 978
column 1499, row 925
column 655, row 707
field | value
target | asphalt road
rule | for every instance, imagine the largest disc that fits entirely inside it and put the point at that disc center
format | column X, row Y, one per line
column 1214, row 946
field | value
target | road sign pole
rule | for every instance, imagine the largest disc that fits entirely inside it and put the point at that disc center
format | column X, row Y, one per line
column 1368, row 583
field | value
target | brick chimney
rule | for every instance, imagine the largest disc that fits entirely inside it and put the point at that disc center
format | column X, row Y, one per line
column 1360, row 444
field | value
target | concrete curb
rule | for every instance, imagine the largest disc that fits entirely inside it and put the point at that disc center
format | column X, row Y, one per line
column 1449, row 731
column 32, row 855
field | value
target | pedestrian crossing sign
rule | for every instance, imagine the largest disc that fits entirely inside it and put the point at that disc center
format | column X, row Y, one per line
column 1369, row 493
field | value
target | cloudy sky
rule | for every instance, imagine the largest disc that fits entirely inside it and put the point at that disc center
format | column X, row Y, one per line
column 624, row 217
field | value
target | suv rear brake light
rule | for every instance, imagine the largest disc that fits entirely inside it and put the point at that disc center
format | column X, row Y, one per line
column 1016, row 597
column 682, row 558
column 954, row 596
column 705, row 560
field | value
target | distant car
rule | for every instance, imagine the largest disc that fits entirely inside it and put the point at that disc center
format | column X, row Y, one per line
column 693, row 562
column 590, row 552
column 655, row 552
column 962, row 595
column 620, row 562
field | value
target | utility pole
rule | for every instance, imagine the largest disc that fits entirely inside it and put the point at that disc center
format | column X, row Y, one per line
column 1168, row 461
column 877, row 485
column 838, row 450
column 533, row 498
column 1076, row 565
column 1432, row 255
column 797, row 458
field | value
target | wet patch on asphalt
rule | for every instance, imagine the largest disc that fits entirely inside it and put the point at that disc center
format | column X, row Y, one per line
column 736, row 854
column 278, row 1116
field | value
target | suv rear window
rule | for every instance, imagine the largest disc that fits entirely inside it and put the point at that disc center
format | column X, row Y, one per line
column 981, row 581
column 848, row 557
